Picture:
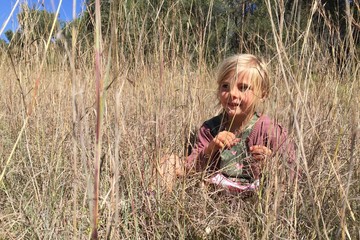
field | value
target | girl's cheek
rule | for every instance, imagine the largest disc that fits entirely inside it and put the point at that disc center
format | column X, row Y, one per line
column 223, row 95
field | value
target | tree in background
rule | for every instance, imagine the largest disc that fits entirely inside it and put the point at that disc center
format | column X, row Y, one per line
column 13, row 38
column 36, row 24
column 193, row 29
column 210, row 29
column 34, row 30
column 332, row 24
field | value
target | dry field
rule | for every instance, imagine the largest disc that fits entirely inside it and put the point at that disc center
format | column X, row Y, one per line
column 49, row 148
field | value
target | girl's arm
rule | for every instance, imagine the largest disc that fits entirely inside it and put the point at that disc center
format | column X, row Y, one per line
column 198, row 160
column 207, row 148
column 281, row 144
column 275, row 138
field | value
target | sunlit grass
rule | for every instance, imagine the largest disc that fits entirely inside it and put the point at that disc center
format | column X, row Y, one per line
column 152, row 102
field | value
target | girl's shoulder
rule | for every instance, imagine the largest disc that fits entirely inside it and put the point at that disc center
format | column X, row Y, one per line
column 264, row 119
column 214, row 124
column 265, row 122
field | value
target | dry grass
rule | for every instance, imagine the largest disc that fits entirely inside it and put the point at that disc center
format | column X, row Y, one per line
column 149, row 109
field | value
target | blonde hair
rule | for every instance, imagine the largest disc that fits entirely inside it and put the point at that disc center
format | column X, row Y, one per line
column 245, row 65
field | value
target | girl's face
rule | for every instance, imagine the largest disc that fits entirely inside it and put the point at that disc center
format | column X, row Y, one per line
column 237, row 96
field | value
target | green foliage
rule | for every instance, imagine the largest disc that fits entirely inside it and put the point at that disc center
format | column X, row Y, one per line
column 14, row 38
column 209, row 29
column 200, row 30
column 9, row 35
column 36, row 23
column 89, row 15
column 84, row 25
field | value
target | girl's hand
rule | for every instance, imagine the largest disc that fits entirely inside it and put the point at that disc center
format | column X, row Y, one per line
column 223, row 140
column 260, row 153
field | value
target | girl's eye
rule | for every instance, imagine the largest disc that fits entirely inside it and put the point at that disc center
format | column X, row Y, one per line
column 225, row 86
column 244, row 88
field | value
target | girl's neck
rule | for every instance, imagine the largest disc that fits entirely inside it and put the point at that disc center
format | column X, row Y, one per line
column 238, row 123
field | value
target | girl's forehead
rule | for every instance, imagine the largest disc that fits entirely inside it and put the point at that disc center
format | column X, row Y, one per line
column 243, row 77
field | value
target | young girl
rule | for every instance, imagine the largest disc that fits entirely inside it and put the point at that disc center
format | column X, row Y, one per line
column 236, row 144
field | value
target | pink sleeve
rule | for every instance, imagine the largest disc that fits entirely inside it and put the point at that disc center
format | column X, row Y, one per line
column 197, row 159
column 284, row 146
column 275, row 137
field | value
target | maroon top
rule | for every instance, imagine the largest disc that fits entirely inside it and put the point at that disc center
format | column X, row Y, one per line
column 265, row 132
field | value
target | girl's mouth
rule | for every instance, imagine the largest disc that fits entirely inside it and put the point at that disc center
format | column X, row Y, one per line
column 233, row 105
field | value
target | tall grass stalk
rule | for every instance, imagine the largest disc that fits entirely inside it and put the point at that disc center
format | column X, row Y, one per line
column 99, row 118
column 76, row 119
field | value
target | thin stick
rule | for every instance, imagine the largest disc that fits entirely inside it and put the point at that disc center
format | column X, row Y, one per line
column 98, row 79
column 75, row 121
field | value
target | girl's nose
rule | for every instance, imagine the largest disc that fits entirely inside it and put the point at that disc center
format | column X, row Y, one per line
column 234, row 92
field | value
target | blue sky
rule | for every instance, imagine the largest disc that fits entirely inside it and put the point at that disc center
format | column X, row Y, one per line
column 6, row 7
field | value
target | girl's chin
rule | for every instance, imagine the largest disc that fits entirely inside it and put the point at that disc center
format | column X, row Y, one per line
column 234, row 112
